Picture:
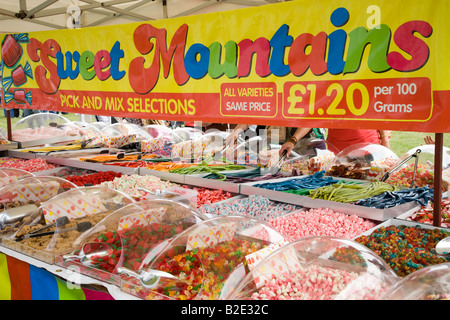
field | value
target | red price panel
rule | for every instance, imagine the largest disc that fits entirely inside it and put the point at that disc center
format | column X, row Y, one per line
column 406, row 99
column 242, row 100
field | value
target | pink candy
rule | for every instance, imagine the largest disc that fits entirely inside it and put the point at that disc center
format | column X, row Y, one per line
column 320, row 222
column 320, row 283
column 32, row 165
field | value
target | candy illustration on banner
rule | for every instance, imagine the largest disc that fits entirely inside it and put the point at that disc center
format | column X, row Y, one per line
column 11, row 48
column 19, row 96
column 73, row 207
column 18, row 76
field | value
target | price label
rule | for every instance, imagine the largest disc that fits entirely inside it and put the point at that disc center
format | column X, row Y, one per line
column 249, row 100
column 375, row 99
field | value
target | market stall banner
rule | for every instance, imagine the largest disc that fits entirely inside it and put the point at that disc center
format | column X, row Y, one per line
column 22, row 281
column 327, row 63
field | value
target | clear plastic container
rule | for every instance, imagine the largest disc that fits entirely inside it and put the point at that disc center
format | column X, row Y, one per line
column 415, row 168
column 188, row 133
column 120, row 134
column 310, row 156
column 44, row 126
column 428, row 283
column 9, row 175
column 203, row 262
column 317, row 268
column 248, row 152
column 156, row 130
column 62, row 219
column 128, row 234
column 22, row 197
column 365, row 161
column 188, row 143
column 179, row 194
column 208, row 144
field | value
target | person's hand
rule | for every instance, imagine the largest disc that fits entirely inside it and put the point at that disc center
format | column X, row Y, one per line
column 428, row 140
column 287, row 146
column 232, row 137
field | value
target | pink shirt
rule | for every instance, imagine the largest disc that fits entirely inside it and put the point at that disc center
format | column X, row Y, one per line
column 342, row 138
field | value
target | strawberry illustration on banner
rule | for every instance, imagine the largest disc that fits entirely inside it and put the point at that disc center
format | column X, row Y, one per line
column 73, row 207
column 210, row 236
column 141, row 219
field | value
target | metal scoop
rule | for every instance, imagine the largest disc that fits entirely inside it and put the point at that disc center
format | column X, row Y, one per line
column 80, row 227
column 88, row 252
column 152, row 278
column 443, row 247
column 416, row 155
column 60, row 222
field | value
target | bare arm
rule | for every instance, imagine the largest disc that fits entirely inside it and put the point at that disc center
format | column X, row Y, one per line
column 290, row 144
column 384, row 138
column 235, row 133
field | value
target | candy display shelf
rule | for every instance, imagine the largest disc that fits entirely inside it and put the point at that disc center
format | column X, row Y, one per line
column 8, row 146
column 130, row 289
column 15, row 153
column 173, row 177
column 75, row 163
column 241, row 188
column 308, row 202
column 213, row 184
column 43, row 142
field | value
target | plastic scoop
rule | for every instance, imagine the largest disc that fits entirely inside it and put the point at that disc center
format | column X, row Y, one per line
column 89, row 253
column 443, row 247
column 152, row 278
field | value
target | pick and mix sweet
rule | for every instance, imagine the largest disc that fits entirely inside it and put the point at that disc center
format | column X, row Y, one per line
column 130, row 184
column 320, row 222
column 424, row 176
column 255, row 206
column 30, row 165
column 317, row 283
column 406, row 248
column 425, row 213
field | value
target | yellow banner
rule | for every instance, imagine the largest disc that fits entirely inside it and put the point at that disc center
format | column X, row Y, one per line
column 368, row 63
